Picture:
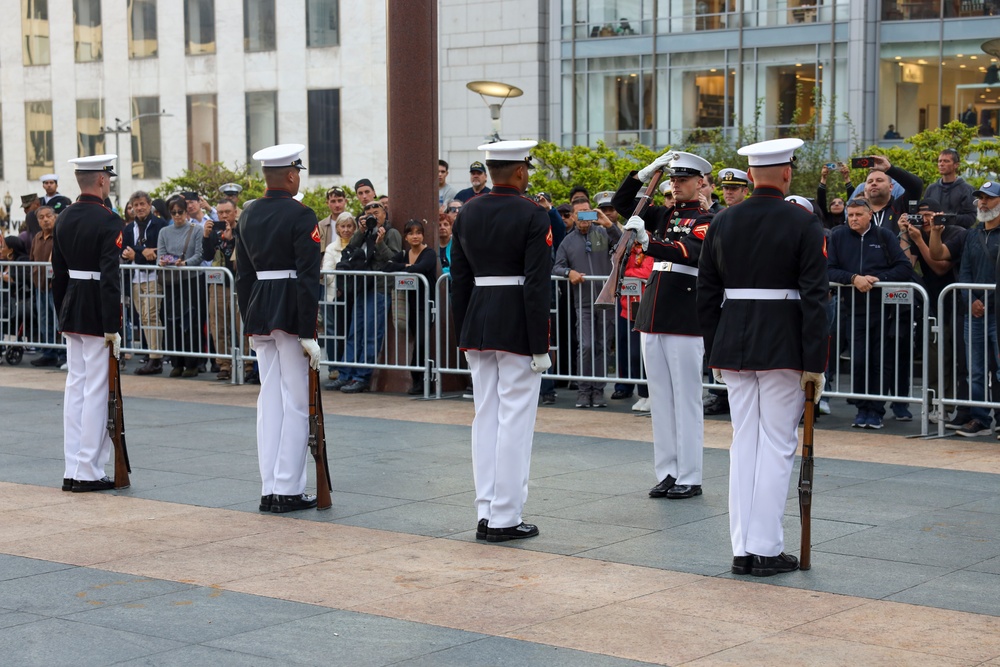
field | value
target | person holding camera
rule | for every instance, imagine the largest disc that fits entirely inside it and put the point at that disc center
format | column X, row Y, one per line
column 277, row 284
column 586, row 252
column 885, row 208
column 920, row 231
column 833, row 214
column 672, row 345
column 370, row 249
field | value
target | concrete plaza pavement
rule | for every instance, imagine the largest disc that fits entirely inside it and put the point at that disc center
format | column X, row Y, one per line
column 181, row 568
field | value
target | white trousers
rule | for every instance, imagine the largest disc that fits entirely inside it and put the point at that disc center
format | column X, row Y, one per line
column 282, row 414
column 86, row 442
column 505, row 390
column 673, row 372
column 765, row 407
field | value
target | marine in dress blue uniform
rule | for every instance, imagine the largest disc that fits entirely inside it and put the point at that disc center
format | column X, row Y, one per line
column 762, row 289
column 671, row 340
column 86, row 290
column 500, row 265
column 277, row 283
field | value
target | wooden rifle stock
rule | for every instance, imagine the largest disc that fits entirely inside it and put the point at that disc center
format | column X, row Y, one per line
column 116, row 423
column 612, row 289
column 806, row 478
column 317, row 443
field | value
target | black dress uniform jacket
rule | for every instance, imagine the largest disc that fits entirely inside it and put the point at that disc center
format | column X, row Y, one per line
column 278, row 233
column 87, row 237
column 502, row 234
column 764, row 243
column 675, row 235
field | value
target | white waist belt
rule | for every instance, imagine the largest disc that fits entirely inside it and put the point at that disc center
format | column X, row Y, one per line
column 763, row 294
column 676, row 268
column 276, row 275
column 498, row 281
column 84, row 275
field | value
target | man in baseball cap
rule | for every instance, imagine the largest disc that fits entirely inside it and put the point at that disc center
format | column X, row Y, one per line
column 477, row 176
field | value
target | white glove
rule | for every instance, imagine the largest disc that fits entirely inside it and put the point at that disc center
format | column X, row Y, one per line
column 717, row 375
column 638, row 225
column 114, row 341
column 311, row 349
column 253, row 346
column 540, row 362
column 646, row 172
column 818, row 378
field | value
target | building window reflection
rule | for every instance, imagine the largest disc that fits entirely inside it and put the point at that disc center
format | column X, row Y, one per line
column 38, row 136
column 614, row 101
column 142, row 41
column 199, row 26
column 35, row 31
column 146, row 153
column 593, row 19
column 791, row 92
column 89, row 120
column 925, row 85
column 203, row 130
column 262, row 123
column 322, row 23
column 87, row 33
column 258, row 25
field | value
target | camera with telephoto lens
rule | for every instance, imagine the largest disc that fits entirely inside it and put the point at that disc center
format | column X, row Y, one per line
column 371, row 222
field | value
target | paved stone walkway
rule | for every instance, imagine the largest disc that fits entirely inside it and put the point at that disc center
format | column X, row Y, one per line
column 182, row 569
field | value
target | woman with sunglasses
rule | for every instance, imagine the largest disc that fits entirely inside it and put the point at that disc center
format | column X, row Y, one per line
column 179, row 245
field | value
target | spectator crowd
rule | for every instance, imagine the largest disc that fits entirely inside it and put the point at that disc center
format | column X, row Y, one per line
column 888, row 229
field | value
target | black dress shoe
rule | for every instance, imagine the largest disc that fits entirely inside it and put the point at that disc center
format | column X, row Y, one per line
column 151, row 367
column 265, row 503
column 67, row 484
column 282, row 504
column 45, row 361
column 742, row 564
column 720, row 406
column 619, row 395
column 678, row 491
column 660, row 490
column 518, row 532
column 481, row 529
column 766, row 566
column 336, row 384
column 84, row 485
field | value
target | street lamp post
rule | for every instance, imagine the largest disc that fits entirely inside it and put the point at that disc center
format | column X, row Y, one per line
column 494, row 89
column 124, row 127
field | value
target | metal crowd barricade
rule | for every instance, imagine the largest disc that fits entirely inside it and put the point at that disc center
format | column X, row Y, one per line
column 586, row 341
column 358, row 309
column 883, row 335
column 968, row 358
column 171, row 311
column 23, row 323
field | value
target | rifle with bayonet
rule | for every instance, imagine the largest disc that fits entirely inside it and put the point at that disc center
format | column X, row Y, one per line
column 116, row 423
column 806, row 477
column 317, row 443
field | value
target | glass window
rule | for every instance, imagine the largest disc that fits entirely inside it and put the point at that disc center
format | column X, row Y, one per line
column 790, row 91
column 199, row 26
column 146, row 156
column 35, row 28
column 258, row 25
column 142, row 28
column 38, row 133
column 89, row 120
column 262, row 123
column 701, row 96
column 324, row 131
column 691, row 15
column 925, row 85
column 904, row 10
column 87, row 41
column 203, row 130
column 614, row 101
column 1, row 149
column 321, row 23
column 610, row 18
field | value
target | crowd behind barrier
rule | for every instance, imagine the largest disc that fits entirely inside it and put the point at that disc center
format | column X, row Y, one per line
column 889, row 345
